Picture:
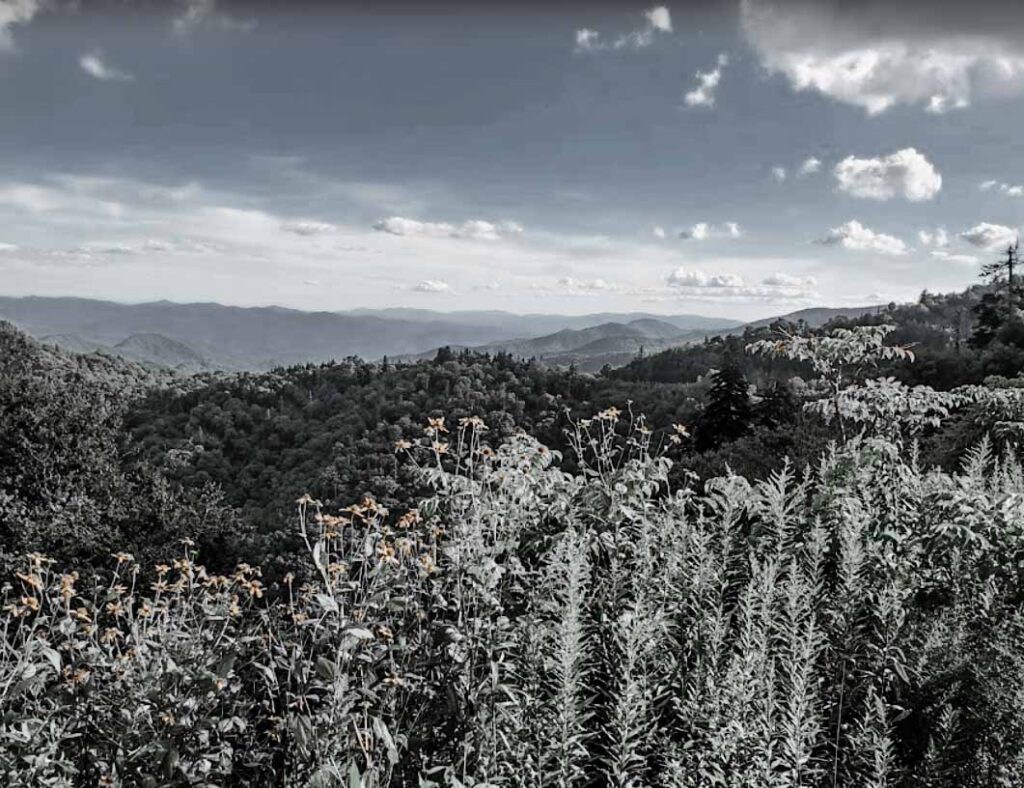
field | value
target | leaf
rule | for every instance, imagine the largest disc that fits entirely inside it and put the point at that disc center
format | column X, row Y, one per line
column 328, row 603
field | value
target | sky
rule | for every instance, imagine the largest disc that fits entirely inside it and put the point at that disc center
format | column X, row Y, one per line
column 734, row 159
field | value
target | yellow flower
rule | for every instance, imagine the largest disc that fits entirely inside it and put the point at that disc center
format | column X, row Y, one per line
column 610, row 414
column 436, row 424
column 402, row 445
column 33, row 581
column 123, row 558
column 440, row 448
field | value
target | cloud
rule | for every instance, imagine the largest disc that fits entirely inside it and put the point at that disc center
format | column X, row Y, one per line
column 658, row 231
column 855, row 236
column 5, row 247
column 707, row 83
column 787, row 280
column 702, row 231
column 15, row 12
column 657, row 20
column 905, row 173
column 587, row 39
column 878, row 55
column 694, row 277
column 432, row 286
column 308, row 227
column 937, row 237
column 811, row 165
column 990, row 236
column 779, row 173
column 92, row 64
column 198, row 14
column 478, row 229
column 1005, row 188
column 967, row 259
column 585, row 285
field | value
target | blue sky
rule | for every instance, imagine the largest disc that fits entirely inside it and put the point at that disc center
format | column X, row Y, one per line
column 730, row 158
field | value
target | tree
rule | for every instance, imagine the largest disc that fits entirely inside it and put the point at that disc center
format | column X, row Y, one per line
column 727, row 414
column 998, row 307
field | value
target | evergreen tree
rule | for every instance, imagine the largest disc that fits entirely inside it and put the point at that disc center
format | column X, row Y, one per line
column 727, row 414
column 998, row 307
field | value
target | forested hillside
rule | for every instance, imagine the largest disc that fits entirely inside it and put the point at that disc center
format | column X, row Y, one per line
column 792, row 564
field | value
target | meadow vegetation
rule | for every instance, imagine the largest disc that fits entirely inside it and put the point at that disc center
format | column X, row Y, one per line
column 601, row 600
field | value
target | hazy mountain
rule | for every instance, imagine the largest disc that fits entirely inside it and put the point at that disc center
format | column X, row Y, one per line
column 197, row 336
column 509, row 325
column 817, row 316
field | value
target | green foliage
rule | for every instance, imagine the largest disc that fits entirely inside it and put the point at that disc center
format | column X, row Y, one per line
column 860, row 625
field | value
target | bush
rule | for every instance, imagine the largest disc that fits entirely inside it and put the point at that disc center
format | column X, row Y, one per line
column 857, row 625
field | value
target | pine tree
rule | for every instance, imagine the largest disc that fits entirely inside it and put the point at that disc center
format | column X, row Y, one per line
column 998, row 306
column 727, row 414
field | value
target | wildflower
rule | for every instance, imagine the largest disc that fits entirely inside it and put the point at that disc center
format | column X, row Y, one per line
column 427, row 564
column 167, row 718
column 187, row 542
column 123, row 558
column 473, row 421
column 162, row 569
column 33, row 581
column 67, row 586
column 82, row 614
column 610, row 414
column 436, row 425
column 440, row 448
column 30, row 602
column 394, row 680
column 110, row 634
column 385, row 633
column 145, row 610
column 411, row 517
column 159, row 586
column 402, row 445
column 289, row 578
column 114, row 608
column 385, row 551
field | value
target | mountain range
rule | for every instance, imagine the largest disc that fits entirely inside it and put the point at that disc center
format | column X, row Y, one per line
column 201, row 336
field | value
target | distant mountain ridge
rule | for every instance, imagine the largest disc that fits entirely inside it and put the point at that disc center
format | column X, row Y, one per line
column 214, row 336
column 202, row 336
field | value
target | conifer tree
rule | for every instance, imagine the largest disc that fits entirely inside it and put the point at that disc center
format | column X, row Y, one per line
column 727, row 414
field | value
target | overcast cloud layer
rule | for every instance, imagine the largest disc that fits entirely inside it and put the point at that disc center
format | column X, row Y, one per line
column 736, row 159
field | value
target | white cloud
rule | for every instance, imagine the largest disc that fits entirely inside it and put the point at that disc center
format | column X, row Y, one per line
column 432, row 286
column 478, row 229
column 855, row 236
column 699, row 232
column 204, row 14
column 880, row 55
column 92, row 64
column 707, row 83
column 905, row 173
column 694, row 277
column 15, row 12
column 990, row 236
column 702, row 231
column 1005, row 188
column 967, row 259
column 658, row 231
column 787, row 280
column 779, row 173
column 811, row 165
column 657, row 20
column 587, row 39
column 569, row 283
column 308, row 227
column 5, row 247
column 937, row 237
